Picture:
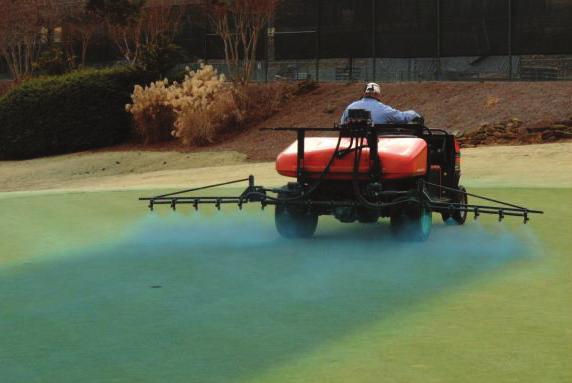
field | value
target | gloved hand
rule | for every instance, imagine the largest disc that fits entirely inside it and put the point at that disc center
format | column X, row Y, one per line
column 419, row 120
column 416, row 118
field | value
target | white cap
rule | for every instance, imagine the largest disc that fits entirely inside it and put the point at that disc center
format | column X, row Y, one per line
column 373, row 89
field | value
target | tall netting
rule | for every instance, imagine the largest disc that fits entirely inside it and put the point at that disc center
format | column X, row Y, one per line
column 403, row 40
column 474, row 38
column 425, row 28
column 474, row 27
column 193, row 34
column 295, row 30
column 406, row 28
column 542, row 27
column 345, row 40
column 400, row 40
column 345, row 28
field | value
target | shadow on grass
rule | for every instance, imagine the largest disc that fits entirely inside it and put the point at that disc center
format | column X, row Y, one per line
column 214, row 300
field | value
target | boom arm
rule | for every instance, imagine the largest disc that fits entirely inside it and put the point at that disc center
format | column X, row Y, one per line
column 258, row 194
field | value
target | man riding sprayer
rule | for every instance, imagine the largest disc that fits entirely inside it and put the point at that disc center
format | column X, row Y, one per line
column 380, row 113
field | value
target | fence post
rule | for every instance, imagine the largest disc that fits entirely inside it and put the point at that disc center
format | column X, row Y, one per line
column 270, row 28
column 318, row 36
column 266, row 58
column 205, row 48
column 351, row 74
column 438, row 37
column 509, row 40
column 373, row 38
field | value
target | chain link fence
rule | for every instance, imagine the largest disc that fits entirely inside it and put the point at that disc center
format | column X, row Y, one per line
column 493, row 68
column 414, row 40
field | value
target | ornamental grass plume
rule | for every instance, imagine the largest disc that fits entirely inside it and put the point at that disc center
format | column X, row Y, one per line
column 194, row 111
column 202, row 107
column 153, row 114
column 204, row 125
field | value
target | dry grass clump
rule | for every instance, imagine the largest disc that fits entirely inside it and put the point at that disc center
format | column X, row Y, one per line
column 193, row 111
column 205, row 107
column 153, row 113
column 203, row 125
column 200, row 109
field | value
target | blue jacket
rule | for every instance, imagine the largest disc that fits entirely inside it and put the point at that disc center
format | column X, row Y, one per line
column 381, row 113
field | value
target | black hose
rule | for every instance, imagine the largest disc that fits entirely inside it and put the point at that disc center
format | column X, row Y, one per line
column 357, row 190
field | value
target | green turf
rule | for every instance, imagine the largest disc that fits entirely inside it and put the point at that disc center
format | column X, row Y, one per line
column 95, row 289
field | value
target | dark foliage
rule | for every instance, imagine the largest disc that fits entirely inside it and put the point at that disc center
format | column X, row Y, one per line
column 118, row 12
column 54, row 61
column 160, row 57
column 77, row 111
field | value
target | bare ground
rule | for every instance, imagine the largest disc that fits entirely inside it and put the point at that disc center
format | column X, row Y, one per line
column 460, row 106
column 454, row 106
column 547, row 165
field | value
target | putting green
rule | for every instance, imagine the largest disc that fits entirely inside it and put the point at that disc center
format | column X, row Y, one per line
column 95, row 289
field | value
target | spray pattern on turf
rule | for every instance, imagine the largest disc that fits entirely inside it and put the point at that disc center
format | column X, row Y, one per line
column 241, row 258
column 199, row 230
column 234, row 231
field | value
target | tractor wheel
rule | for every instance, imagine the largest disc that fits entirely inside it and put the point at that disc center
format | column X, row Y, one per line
column 413, row 225
column 458, row 217
column 294, row 223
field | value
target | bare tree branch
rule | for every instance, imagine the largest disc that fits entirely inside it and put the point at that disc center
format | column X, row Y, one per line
column 239, row 23
column 24, row 26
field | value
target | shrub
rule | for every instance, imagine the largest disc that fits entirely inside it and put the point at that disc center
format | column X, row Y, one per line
column 54, row 62
column 153, row 114
column 160, row 56
column 202, row 126
column 77, row 111
column 203, row 106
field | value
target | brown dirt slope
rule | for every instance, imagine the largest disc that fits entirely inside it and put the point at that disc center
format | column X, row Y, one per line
column 453, row 106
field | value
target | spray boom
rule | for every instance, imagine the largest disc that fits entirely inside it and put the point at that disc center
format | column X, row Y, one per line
column 402, row 171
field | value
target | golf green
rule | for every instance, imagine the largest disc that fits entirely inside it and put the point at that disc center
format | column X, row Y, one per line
column 94, row 288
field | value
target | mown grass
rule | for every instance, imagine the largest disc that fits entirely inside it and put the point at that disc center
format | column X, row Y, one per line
column 93, row 288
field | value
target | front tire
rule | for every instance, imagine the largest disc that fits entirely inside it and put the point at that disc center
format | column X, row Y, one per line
column 293, row 223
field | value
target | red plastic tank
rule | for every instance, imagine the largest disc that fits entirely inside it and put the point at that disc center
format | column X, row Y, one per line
column 401, row 157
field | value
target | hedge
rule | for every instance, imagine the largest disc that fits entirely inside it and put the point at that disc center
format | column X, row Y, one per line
column 62, row 114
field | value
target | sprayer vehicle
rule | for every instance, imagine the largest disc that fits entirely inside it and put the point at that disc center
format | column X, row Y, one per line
column 404, row 172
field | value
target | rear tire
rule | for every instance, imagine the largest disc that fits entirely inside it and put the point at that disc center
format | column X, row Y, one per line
column 412, row 225
column 294, row 223
column 457, row 217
